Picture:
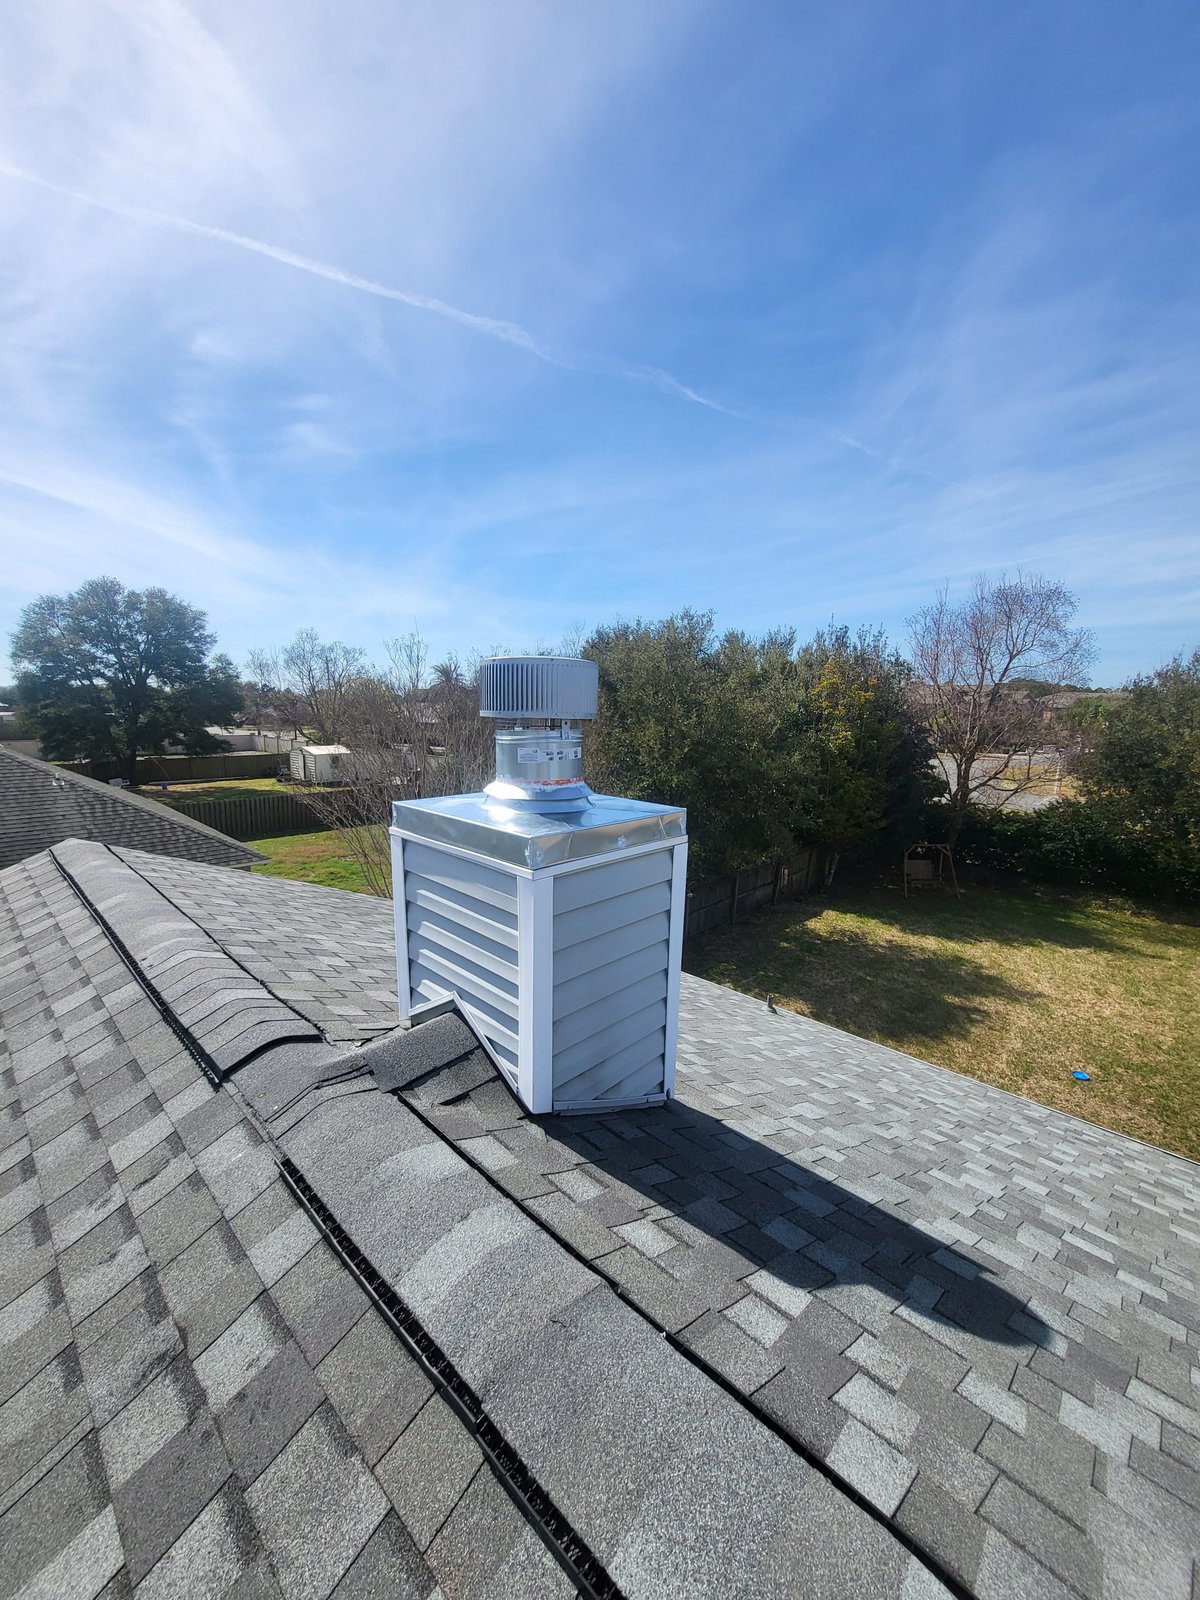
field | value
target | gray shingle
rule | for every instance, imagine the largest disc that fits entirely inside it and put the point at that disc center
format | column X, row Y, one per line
column 871, row 1466
column 731, row 1352
column 56, row 1511
column 376, row 1389
column 940, row 1524
column 124, row 1344
column 178, row 1219
column 1046, row 1536
column 159, row 1411
column 161, row 1500
column 800, row 1398
column 34, row 1328
column 208, row 1286
column 69, row 1158
column 485, row 1545
column 1051, row 1461
column 219, row 1553
column 244, row 1349
column 316, row 1507
column 101, row 1263
column 390, row 1564
column 272, row 1406
column 427, row 1470
column 46, row 1408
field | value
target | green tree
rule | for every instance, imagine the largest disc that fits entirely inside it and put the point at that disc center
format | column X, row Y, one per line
column 107, row 673
column 868, row 752
column 1145, row 762
column 768, row 746
column 683, row 720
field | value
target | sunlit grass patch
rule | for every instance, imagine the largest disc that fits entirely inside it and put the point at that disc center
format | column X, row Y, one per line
column 312, row 858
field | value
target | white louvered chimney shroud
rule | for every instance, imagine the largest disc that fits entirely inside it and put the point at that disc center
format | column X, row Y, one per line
column 553, row 916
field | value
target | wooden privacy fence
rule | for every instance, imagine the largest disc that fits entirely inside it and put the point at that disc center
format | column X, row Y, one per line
column 723, row 901
column 182, row 769
column 253, row 816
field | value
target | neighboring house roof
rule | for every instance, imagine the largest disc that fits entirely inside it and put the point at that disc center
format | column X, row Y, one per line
column 834, row 1322
column 41, row 805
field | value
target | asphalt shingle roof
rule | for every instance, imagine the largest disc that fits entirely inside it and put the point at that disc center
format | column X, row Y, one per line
column 832, row 1323
column 41, row 805
column 980, row 1313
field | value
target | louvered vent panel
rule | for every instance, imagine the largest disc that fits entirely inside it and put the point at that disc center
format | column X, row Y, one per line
column 611, row 928
column 462, row 938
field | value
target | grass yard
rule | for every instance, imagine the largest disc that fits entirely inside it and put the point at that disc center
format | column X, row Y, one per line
column 311, row 857
column 220, row 789
column 1065, row 789
column 1017, row 986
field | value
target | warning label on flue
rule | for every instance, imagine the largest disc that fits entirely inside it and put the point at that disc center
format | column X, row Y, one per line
column 532, row 754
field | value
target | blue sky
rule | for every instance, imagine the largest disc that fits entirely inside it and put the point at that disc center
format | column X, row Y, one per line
column 498, row 321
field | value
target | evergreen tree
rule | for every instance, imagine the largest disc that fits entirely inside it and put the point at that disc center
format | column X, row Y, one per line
column 108, row 673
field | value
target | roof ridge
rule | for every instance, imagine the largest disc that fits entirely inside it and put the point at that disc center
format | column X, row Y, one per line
column 226, row 1012
column 382, row 1060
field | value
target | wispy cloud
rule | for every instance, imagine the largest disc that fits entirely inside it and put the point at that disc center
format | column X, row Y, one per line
column 510, row 333
column 912, row 342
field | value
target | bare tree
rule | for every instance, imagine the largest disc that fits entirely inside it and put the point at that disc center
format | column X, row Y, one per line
column 965, row 657
column 322, row 676
column 274, row 709
column 412, row 732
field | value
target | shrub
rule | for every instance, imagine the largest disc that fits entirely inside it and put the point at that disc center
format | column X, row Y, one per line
column 1090, row 843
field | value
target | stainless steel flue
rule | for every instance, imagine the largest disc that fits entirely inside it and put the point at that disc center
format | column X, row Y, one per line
column 539, row 759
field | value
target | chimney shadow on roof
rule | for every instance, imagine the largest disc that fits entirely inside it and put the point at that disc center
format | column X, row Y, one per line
column 767, row 1210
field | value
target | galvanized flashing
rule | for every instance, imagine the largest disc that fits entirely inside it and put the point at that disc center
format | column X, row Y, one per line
column 530, row 840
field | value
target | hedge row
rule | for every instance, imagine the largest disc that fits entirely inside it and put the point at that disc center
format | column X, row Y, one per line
column 1082, row 842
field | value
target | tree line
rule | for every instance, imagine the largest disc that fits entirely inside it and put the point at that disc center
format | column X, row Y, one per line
column 842, row 744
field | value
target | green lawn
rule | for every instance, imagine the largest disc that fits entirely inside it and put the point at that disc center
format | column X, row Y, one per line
column 311, row 857
column 220, row 789
column 1017, row 986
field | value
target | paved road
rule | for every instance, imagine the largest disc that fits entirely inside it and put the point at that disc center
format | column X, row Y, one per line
column 996, row 794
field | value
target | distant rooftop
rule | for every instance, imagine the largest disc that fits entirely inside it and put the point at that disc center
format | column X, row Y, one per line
column 833, row 1323
column 41, row 805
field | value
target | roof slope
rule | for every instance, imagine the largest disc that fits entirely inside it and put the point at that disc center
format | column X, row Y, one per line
column 982, row 1314
column 41, row 805
column 976, row 1316
column 197, row 1395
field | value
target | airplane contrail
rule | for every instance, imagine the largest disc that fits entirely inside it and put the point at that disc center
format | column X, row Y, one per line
column 507, row 332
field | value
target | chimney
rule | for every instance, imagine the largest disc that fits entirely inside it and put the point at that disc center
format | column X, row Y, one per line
column 551, row 915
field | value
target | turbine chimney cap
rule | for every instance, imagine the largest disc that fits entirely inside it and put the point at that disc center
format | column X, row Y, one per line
column 549, row 688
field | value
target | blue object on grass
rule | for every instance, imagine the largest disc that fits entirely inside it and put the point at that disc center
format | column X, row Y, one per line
column 1084, row 1077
